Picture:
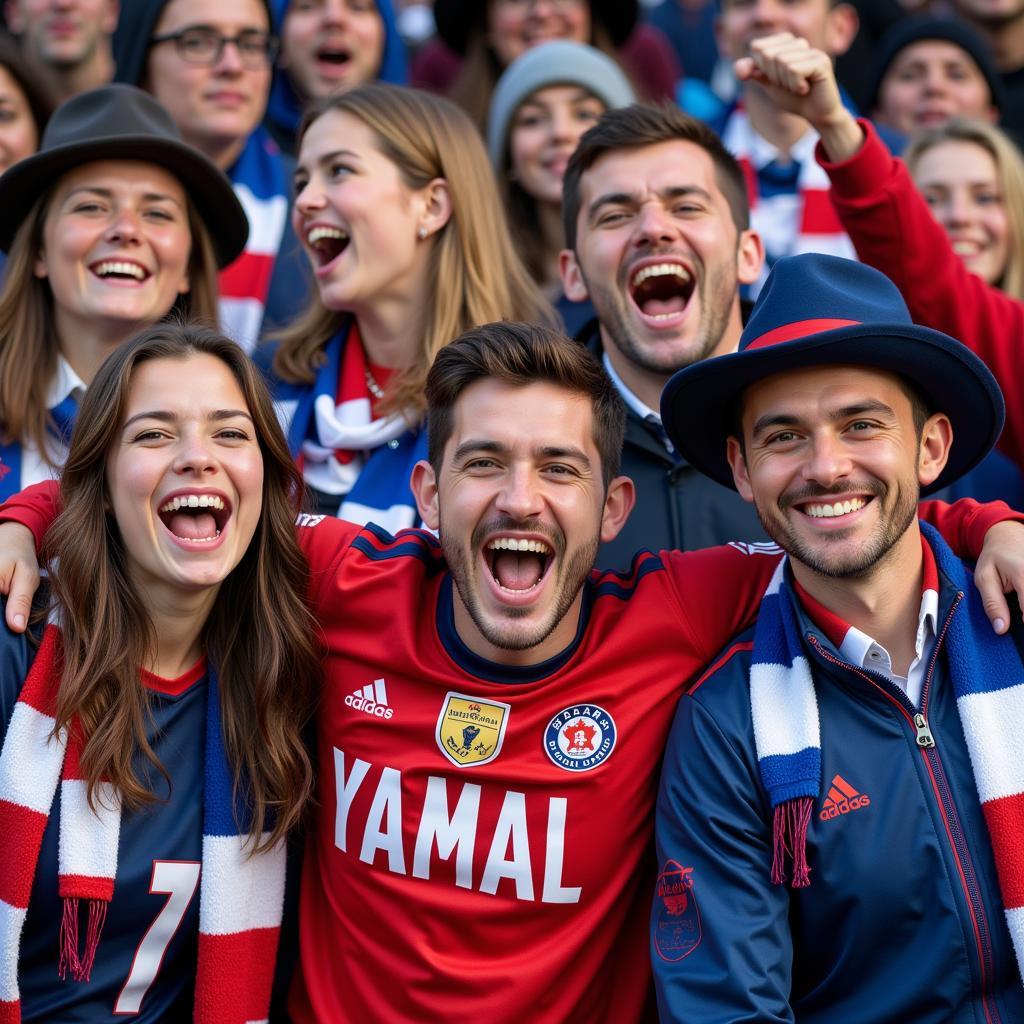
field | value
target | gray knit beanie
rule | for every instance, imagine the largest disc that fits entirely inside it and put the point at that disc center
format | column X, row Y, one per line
column 559, row 62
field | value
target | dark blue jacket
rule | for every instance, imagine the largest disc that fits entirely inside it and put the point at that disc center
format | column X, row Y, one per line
column 903, row 919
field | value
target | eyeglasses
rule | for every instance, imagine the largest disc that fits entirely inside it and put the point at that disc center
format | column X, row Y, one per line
column 522, row 6
column 201, row 45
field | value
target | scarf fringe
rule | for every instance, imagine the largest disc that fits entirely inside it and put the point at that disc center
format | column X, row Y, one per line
column 80, row 967
column 790, row 821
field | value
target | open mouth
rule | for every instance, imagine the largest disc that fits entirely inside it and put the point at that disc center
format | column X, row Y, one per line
column 195, row 517
column 326, row 243
column 334, row 56
column 833, row 509
column 518, row 565
column 120, row 270
column 662, row 290
column 965, row 248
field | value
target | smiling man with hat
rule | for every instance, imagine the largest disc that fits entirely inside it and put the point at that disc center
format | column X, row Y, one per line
column 843, row 791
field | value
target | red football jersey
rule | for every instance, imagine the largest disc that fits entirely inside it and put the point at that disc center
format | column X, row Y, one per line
column 483, row 846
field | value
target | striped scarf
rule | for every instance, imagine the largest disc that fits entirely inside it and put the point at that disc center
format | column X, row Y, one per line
column 262, row 188
column 241, row 898
column 343, row 448
column 988, row 682
column 818, row 228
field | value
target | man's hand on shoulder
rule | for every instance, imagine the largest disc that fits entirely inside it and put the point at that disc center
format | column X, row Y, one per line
column 801, row 80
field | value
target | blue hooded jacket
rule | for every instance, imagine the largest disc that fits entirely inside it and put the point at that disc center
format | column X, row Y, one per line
column 284, row 111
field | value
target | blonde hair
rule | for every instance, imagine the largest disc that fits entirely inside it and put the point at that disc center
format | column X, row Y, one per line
column 29, row 344
column 1009, row 177
column 475, row 275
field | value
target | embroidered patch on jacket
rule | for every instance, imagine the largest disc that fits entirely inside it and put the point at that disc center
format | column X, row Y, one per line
column 842, row 798
column 677, row 927
column 470, row 730
column 580, row 737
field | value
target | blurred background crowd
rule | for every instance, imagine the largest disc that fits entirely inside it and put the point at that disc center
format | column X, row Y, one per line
column 286, row 168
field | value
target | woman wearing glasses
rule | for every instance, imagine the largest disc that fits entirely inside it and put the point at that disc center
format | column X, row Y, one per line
column 209, row 63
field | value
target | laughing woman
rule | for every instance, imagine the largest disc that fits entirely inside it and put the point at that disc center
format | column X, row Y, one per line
column 399, row 213
column 153, row 825
column 110, row 226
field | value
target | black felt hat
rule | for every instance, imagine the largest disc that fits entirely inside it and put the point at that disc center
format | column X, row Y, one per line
column 120, row 122
column 457, row 19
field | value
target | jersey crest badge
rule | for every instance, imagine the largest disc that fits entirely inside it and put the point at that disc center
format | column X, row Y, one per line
column 470, row 730
column 677, row 927
column 580, row 737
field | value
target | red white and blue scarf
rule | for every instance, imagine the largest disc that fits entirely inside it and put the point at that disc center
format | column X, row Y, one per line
column 988, row 682
column 261, row 185
column 241, row 897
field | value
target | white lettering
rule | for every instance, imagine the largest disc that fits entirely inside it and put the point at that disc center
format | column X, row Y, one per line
column 511, row 824
column 554, row 891
column 386, row 809
column 459, row 830
column 346, row 792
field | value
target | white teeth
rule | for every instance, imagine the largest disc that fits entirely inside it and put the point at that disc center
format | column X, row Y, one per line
column 318, row 233
column 119, row 267
column 659, row 270
column 966, row 248
column 840, row 508
column 517, row 544
column 193, row 501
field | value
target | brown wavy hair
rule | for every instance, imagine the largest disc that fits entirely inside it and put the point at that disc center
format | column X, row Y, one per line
column 260, row 633
column 475, row 275
column 29, row 344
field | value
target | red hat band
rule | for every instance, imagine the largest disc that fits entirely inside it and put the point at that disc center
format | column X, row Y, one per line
column 797, row 329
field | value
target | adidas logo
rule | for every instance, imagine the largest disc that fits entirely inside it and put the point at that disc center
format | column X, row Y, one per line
column 372, row 698
column 841, row 799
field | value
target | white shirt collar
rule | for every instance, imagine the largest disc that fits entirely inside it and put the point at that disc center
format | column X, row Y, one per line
column 65, row 382
column 642, row 410
column 860, row 649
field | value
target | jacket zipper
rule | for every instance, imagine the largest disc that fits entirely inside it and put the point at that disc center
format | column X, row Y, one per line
column 926, row 745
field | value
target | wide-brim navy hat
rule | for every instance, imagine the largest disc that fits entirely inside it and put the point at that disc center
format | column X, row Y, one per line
column 817, row 310
column 121, row 122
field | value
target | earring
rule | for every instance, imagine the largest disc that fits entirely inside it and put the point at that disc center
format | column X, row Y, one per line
column 421, row 232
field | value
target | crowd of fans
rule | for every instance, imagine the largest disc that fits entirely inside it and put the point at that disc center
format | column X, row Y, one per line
column 343, row 188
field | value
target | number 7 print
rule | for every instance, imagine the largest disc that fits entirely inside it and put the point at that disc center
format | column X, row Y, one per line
column 177, row 879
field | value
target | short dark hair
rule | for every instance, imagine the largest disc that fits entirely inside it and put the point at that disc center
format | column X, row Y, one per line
column 643, row 125
column 520, row 354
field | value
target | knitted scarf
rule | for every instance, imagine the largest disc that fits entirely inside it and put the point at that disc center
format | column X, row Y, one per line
column 988, row 682
column 12, row 465
column 819, row 227
column 241, row 898
column 261, row 185
column 343, row 449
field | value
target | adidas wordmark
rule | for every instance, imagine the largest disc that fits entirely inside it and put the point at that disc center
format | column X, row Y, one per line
column 372, row 698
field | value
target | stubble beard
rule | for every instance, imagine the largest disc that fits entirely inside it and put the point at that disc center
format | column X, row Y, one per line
column 716, row 292
column 893, row 524
column 508, row 635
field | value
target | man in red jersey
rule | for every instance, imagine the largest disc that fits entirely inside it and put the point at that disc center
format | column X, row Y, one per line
column 486, row 847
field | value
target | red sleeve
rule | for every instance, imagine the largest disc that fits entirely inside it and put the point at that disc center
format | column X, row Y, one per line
column 719, row 590
column 893, row 230
column 325, row 541
column 963, row 524
column 35, row 507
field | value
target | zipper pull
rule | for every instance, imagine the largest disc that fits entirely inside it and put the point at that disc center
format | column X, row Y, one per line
column 924, row 735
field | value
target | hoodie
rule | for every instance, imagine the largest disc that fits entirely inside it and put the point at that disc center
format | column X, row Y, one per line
column 284, row 112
